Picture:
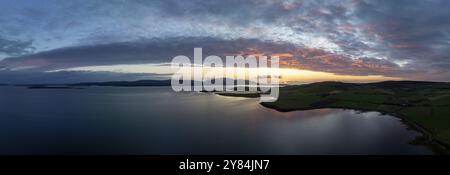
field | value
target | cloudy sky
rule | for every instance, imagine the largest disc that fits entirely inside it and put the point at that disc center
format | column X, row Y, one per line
column 66, row 41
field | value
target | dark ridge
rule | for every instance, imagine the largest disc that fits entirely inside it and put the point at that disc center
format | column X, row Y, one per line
column 125, row 83
column 141, row 83
column 52, row 87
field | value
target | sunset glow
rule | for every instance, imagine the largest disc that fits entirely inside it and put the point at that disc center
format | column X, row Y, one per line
column 289, row 76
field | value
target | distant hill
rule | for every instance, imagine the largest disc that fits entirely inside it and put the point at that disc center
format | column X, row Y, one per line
column 126, row 83
column 110, row 83
column 386, row 85
column 137, row 83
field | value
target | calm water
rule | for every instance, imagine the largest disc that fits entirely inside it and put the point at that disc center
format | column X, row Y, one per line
column 155, row 120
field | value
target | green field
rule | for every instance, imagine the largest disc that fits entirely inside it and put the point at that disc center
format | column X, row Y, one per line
column 423, row 104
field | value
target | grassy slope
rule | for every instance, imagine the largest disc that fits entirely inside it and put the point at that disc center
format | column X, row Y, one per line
column 424, row 103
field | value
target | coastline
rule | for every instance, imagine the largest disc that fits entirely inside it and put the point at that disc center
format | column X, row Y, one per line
column 427, row 139
column 435, row 145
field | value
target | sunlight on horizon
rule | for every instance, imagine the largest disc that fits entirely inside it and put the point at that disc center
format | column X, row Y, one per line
column 288, row 75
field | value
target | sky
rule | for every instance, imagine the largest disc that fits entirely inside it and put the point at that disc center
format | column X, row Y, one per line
column 51, row 41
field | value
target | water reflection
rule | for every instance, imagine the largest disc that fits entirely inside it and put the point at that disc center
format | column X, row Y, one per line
column 158, row 121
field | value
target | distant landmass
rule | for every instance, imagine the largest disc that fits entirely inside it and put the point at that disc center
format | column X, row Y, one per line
column 112, row 84
column 139, row 83
column 126, row 83
column 86, row 84
column 51, row 87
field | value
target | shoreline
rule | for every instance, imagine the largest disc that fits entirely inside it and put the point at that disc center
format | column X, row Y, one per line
column 426, row 139
column 436, row 146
